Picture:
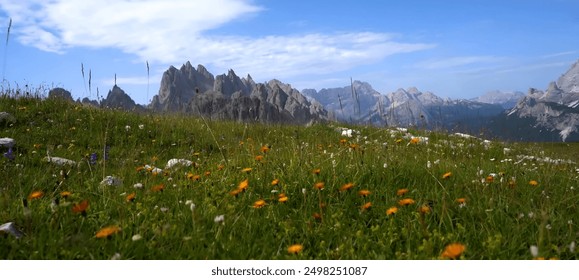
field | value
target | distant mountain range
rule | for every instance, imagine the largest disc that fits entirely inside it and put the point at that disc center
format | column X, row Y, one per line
column 552, row 115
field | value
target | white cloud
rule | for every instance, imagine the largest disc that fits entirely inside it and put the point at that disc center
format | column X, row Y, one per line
column 454, row 62
column 174, row 31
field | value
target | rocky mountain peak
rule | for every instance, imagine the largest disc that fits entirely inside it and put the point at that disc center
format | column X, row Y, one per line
column 569, row 82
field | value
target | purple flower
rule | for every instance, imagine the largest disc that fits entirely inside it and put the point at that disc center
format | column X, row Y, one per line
column 93, row 158
column 9, row 155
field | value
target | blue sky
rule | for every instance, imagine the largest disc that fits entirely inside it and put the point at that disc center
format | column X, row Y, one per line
column 457, row 49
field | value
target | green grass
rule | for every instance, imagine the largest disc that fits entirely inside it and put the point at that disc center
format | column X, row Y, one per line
column 500, row 219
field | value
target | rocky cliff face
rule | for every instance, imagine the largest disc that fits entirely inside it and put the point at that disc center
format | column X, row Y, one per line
column 552, row 115
column 118, row 99
column 507, row 100
column 228, row 96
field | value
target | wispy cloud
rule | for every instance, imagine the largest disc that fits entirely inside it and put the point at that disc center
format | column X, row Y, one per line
column 552, row 55
column 173, row 31
column 455, row 62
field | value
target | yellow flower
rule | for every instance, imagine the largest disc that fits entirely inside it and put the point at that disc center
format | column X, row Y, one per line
column 294, row 249
column 246, row 170
column 35, row 195
column 131, row 197
column 343, row 141
column 406, row 201
column 282, row 198
column 364, row 193
column 401, row 192
column 346, row 187
column 243, row 185
column 446, row 175
column 391, row 211
column 107, row 231
column 398, row 141
column 65, row 194
column 367, row 206
column 258, row 204
column 533, row 183
column 275, row 182
column 453, row 251
column 319, row 185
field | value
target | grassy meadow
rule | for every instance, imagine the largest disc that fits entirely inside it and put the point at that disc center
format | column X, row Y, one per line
column 256, row 191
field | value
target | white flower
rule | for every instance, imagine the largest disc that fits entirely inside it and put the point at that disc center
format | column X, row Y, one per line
column 178, row 161
column 548, row 226
column 219, row 219
column 138, row 186
column 141, row 126
column 534, row 251
column 111, row 181
column 136, row 237
column 428, row 164
column 304, row 191
column 127, row 127
column 385, row 165
column 531, row 214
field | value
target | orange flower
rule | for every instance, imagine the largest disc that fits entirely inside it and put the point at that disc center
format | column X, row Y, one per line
column 533, row 183
column 264, row 149
column 220, row 167
column 317, row 216
column 406, row 201
column 140, row 168
column 275, row 182
column 316, row 171
column 246, row 170
column 446, row 175
column 65, row 194
column 364, row 193
column 424, row 209
column 319, row 185
column 401, row 192
column 346, row 187
column 282, row 198
column 258, row 204
column 453, row 251
column 294, row 249
column 354, row 146
column 158, row 188
column 207, row 173
column 343, row 141
column 367, row 206
column 35, row 195
column 461, row 200
column 243, row 185
column 107, row 231
column 391, row 211
column 489, row 179
column 235, row 192
column 196, row 177
column 259, row 158
column 414, row 140
column 81, row 207
column 131, row 197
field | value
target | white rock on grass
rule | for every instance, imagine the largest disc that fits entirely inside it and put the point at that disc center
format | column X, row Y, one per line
column 111, row 181
column 178, row 161
column 59, row 160
column 10, row 228
column 7, row 142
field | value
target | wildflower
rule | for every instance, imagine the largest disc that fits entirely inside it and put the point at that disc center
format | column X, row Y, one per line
column 366, row 206
column 282, row 198
column 398, row 141
column 406, row 201
column 158, row 188
column 220, row 167
column 316, row 171
column 343, row 141
column 93, row 159
column 391, row 211
column 414, row 140
column 354, row 146
column 246, row 170
column 194, row 177
column 294, row 249
column 65, row 194
column 364, row 193
column 264, row 149
column 446, row 175
column 140, row 168
column 207, row 173
column 259, row 158
column 141, row 126
column 9, row 154
column 346, row 187
column 136, row 237
column 424, row 209
column 131, row 197
column 490, row 179
column 260, row 203
column 533, row 183
column 138, row 186
column 453, row 251
column 317, row 216
column 319, row 185
column 35, row 195
column 235, row 192
column 107, row 231
column 461, row 200
column 243, row 185
column 219, row 219
column 37, row 146
column 80, row 207
column 275, row 182
column 401, row 192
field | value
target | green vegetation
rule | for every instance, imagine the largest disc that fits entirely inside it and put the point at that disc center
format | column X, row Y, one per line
column 488, row 201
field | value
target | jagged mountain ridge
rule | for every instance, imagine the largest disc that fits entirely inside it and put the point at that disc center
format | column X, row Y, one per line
column 506, row 99
column 227, row 96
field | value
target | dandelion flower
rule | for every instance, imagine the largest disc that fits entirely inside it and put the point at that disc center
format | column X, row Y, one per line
column 406, row 201
column 424, row 209
column 243, row 185
column 259, row 204
column 246, row 170
column 259, row 158
column 275, row 182
column 158, row 188
column 346, row 187
column 235, row 192
column 453, row 251
column 264, row 149
column 316, row 171
column 364, row 193
column 401, row 192
column 65, row 194
column 343, row 141
column 391, row 211
column 446, row 175
column 366, row 206
column 294, row 249
column 282, row 198
column 489, row 179
column 80, row 207
column 319, row 185
column 461, row 200
column 107, row 231
column 131, row 197
column 533, row 183
column 414, row 140
column 35, row 195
